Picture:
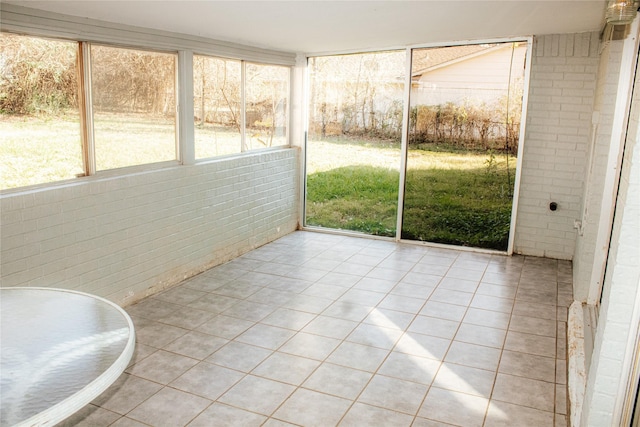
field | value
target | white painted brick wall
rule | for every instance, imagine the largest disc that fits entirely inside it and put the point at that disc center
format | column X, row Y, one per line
column 617, row 330
column 561, row 96
column 124, row 237
column 604, row 105
column 621, row 293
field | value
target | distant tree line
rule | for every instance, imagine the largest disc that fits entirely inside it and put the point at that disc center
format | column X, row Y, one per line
column 476, row 127
column 37, row 75
column 362, row 95
column 41, row 76
column 133, row 81
column 359, row 120
column 469, row 126
column 218, row 101
column 357, row 95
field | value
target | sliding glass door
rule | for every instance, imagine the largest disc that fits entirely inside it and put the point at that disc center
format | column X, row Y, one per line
column 461, row 125
column 353, row 145
column 465, row 108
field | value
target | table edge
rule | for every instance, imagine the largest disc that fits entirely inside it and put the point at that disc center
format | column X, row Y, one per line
column 87, row 394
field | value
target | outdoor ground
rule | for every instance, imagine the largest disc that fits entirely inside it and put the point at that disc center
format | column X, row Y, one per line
column 45, row 148
column 451, row 196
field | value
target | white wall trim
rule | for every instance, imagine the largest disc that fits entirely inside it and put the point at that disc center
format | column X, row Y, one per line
column 627, row 390
column 576, row 369
column 184, row 108
column 623, row 410
column 300, row 127
column 521, row 140
column 404, row 144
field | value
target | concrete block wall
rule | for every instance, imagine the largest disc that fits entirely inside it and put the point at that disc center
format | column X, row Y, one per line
column 558, row 130
column 618, row 328
column 127, row 236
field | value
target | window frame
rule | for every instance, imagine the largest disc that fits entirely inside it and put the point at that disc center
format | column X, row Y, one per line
column 184, row 48
column 87, row 95
column 405, row 120
column 288, row 109
column 244, row 149
column 242, row 106
column 81, row 172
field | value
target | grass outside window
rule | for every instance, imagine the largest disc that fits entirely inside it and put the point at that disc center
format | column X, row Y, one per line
column 454, row 197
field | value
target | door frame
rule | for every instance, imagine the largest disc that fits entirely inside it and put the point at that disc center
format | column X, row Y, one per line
column 405, row 137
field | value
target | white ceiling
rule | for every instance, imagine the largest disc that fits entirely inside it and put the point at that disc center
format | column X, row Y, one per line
column 342, row 26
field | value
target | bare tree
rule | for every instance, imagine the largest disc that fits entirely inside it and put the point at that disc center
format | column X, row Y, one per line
column 37, row 75
column 132, row 80
column 357, row 94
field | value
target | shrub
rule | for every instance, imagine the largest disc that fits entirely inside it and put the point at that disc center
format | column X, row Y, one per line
column 37, row 75
column 463, row 126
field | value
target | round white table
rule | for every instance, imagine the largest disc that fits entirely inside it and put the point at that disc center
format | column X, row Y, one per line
column 59, row 350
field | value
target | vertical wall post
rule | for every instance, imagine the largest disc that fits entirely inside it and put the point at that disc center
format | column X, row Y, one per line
column 404, row 144
column 299, row 127
column 184, row 108
column 86, row 108
column 523, row 125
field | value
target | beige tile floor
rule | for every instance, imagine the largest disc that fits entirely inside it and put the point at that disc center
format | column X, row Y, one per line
column 324, row 330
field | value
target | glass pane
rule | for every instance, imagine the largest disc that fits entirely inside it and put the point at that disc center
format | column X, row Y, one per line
column 134, row 107
column 216, row 101
column 39, row 119
column 466, row 103
column 353, row 148
column 267, row 106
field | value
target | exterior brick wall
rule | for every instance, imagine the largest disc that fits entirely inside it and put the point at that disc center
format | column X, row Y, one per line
column 559, row 114
column 127, row 236
column 604, row 105
column 617, row 329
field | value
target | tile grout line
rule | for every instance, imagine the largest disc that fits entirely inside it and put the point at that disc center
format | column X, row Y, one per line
column 358, row 324
column 493, row 386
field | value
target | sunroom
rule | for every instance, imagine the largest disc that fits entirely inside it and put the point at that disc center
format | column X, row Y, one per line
column 258, row 301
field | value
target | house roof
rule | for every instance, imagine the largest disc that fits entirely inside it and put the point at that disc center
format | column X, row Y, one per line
column 425, row 60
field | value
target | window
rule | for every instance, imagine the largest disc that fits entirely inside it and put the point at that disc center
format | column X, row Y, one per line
column 134, row 107
column 354, row 141
column 267, row 105
column 465, row 109
column 39, row 119
column 435, row 163
column 70, row 109
column 217, row 106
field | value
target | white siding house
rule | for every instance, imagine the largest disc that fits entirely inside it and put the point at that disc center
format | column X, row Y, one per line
column 477, row 77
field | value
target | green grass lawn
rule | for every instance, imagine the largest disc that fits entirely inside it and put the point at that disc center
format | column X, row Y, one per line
column 468, row 207
column 460, row 198
column 123, row 140
column 42, row 149
column 360, row 198
column 35, row 150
